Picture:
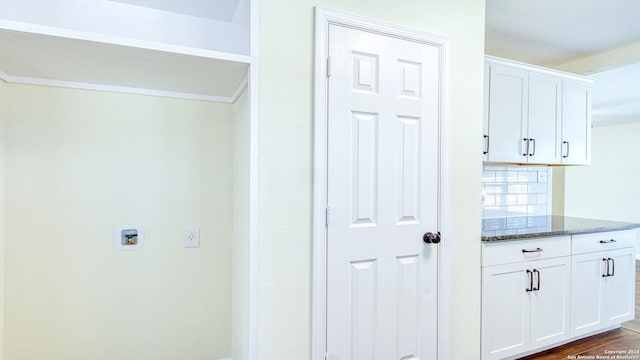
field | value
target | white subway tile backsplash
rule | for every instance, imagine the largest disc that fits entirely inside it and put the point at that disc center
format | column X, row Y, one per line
column 516, row 222
column 489, row 200
column 495, row 167
column 537, row 188
column 523, row 176
column 508, row 199
column 526, row 199
column 517, row 188
column 495, row 211
column 488, row 176
column 536, row 210
column 506, row 176
column 514, row 191
column 517, row 210
column 494, row 188
column 494, row 224
column 541, row 198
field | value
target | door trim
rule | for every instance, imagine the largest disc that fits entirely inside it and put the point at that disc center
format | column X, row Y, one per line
column 324, row 18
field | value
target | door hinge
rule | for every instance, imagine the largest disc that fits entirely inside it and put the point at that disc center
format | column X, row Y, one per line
column 329, row 67
column 328, row 215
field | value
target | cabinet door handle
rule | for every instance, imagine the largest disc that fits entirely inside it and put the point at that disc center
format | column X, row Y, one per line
column 607, row 274
column 526, row 143
column 607, row 241
column 613, row 266
column 532, row 251
column 566, row 143
column 486, row 144
column 538, row 274
column 530, row 274
column 532, row 153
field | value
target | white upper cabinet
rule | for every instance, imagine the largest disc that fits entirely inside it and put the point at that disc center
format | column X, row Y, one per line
column 535, row 115
column 576, row 124
column 544, row 119
column 186, row 49
column 507, row 114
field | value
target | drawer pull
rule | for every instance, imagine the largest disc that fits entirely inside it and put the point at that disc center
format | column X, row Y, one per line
column 534, row 147
column 532, row 251
column 607, row 241
column 538, row 273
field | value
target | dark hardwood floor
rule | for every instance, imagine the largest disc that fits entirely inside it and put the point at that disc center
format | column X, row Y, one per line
column 625, row 338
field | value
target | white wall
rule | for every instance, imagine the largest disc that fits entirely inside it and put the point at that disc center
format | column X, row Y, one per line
column 240, row 283
column 609, row 188
column 285, row 185
column 81, row 163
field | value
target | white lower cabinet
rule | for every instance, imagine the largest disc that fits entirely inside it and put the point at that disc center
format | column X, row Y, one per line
column 524, row 306
column 537, row 293
column 550, row 302
column 525, row 295
column 506, row 308
column 602, row 289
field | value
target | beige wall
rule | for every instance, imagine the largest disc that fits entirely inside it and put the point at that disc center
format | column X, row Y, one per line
column 81, row 163
column 240, row 283
column 558, row 190
column 609, row 188
column 286, row 138
column 3, row 122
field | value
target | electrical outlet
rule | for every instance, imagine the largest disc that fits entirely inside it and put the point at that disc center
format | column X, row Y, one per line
column 191, row 237
column 542, row 176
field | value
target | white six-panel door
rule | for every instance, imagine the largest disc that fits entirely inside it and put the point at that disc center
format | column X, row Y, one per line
column 383, row 171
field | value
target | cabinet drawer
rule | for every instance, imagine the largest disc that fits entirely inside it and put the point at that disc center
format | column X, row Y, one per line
column 506, row 252
column 603, row 241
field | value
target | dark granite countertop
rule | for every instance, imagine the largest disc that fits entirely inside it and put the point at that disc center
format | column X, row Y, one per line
column 518, row 228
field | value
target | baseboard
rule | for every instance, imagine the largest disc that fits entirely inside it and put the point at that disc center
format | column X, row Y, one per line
column 514, row 357
column 226, row 359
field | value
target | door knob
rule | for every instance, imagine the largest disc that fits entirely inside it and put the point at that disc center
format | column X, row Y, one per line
column 431, row 238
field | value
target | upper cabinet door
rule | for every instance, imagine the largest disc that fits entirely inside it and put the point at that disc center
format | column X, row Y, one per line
column 486, row 143
column 507, row 114
column 544, row 125
column 576, row 123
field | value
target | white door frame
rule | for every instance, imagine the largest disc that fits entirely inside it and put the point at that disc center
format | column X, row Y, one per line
column 324, row 18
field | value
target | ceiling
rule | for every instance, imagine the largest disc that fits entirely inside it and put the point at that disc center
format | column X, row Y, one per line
column 221, row 10
column 553, row 32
